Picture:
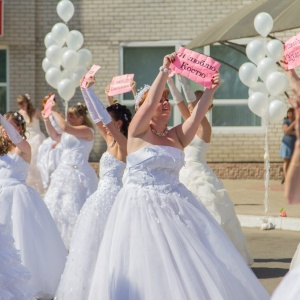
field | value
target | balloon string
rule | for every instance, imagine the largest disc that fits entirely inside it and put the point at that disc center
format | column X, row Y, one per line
column 66, row 109
column 266, row 164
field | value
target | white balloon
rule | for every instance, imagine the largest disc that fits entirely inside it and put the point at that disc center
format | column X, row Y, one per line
column 84, row 57
column 276, row 83
column 46, row 64
column 277, row 111
column 265, row 67
column 66, row 74
column 263, row 23
column 60, row 33
column 75, row 40
column 77, row 75
column 258, row 103
column 49, row 40
column 259, row 87
column 248, row 74
column 70, row 60
column 275, row 49
column 53, row 76
column 255, row 51
column 54, row 55
column 66, row 89
column 65, row 10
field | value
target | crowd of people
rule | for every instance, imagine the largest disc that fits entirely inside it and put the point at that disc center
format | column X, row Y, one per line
column 158, row 224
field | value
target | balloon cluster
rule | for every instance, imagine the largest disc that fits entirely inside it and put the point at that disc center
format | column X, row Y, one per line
column 65, row 62
column 262, row 75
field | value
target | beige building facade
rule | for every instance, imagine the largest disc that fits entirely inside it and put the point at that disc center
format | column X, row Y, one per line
column 132, row 36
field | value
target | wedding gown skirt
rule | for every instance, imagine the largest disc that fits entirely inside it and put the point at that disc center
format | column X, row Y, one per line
column 200, row 179
column 73, row 181
column 14, row 278
column 29, row 222
column 35, row 138
column 289, row 287
column 161, row 243
column 88, row 232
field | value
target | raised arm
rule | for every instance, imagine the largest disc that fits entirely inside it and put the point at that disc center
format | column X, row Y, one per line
column 292, row 76
column 291, row 185
column 22, row 145
column 141, row 120
column 80, row 131
column 178, row 99
column 188, row 129
column 52, row 132
column 110, row 99
column 100, row 116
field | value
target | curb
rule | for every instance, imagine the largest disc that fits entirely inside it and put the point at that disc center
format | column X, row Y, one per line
column 285, row 223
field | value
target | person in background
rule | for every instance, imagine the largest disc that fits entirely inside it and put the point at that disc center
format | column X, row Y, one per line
column 288, row 140
column 74, row 180
column 25, row 214
column 35, row 138
column 199, row 178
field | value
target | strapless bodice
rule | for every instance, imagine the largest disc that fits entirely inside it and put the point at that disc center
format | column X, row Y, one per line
column 154, row 165
column 13, row 168
column 196, row 150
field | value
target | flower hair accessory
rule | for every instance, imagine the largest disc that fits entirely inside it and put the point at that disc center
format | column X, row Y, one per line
column 125, row 117
column 78, row 104
column 27, row 96
column 140, row 94
column 16, row 114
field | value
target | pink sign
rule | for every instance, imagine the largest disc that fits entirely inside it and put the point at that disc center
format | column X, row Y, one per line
column 94, row 69
column 48, row 105
column 120, row 84
column 292, row 51
column 195, row 66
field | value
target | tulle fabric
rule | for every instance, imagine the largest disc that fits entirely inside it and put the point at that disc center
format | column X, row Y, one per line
column 48, row 158
column 14, row 277
column 289, row 287
column 88, row 232
column 73, row 181
column 29, row 222
column 35, row 138
column 200, row 179
column 296, row 258
column 161, row 243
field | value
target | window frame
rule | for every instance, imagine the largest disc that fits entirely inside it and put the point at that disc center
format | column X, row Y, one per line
column 6, row 84
column 171, row 43
column 217, row 102
column 225, row 102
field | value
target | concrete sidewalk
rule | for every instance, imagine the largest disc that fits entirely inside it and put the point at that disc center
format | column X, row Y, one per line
column 248, row 197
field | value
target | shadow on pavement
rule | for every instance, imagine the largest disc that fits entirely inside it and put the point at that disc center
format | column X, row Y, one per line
column 264, row 272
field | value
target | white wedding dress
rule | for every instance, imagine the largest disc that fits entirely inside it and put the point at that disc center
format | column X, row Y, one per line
column 289, row 287
column 29, row 222
column 48, row 157
column 88, row 232
column 35, row 138
column 161, row 243
column 201, row 180
column 14, row 278
column 73, row 181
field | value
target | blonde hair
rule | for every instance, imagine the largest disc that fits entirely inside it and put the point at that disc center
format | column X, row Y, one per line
column 80, row 110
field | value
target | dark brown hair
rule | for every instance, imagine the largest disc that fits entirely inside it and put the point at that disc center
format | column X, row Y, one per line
column 30, row 109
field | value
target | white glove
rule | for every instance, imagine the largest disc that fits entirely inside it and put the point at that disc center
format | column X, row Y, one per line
column 13, row 134
column 188, row 93
column 174, row 91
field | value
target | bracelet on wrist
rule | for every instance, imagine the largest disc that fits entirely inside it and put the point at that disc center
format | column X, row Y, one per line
column 164, row 70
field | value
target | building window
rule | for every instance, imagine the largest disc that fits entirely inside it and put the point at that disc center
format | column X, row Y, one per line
column 3, row 81
column 143, row 60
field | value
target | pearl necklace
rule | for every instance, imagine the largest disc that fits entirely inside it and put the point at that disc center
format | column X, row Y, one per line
column 160, row 134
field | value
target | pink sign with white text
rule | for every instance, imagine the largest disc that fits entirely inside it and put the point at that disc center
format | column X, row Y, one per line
column 91, row 73
column 195, row 66
column 120, row 84
column 292, row 51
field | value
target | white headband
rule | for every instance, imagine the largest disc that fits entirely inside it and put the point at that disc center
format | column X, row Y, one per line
column 139, row 95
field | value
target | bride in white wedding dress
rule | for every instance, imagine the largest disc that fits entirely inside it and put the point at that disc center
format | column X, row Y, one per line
column 160, row 242
column 200, row 179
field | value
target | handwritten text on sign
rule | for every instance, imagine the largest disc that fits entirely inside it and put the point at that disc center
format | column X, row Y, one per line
column 195, row 66
column 292, row 52
column 120, row 84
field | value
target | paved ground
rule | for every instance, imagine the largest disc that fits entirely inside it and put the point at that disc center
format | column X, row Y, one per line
column 272, row 251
